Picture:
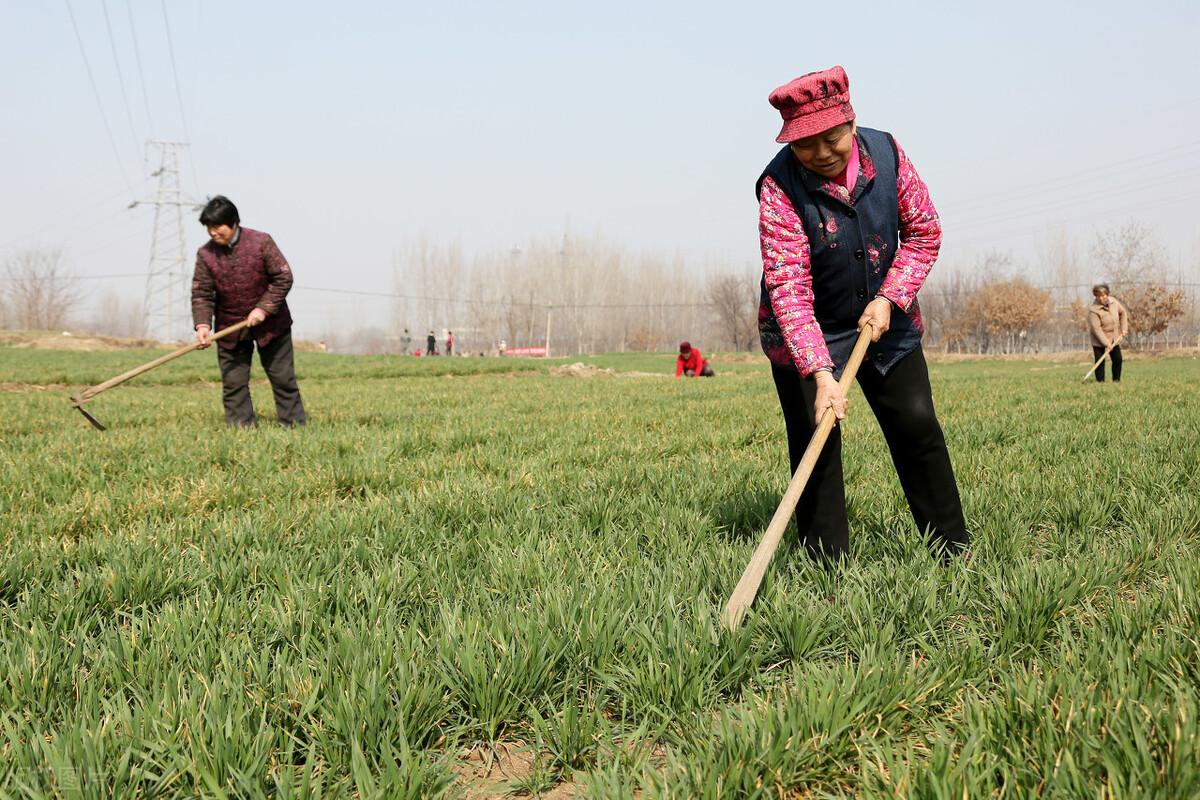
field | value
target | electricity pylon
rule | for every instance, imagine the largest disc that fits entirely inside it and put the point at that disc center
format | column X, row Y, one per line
column 167, row 304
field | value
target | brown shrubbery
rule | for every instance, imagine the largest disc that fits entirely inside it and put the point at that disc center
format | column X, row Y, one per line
column 999, row 317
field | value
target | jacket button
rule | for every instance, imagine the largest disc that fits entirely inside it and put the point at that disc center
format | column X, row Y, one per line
column 852, row 213
column 858, row 255
column 861, row 294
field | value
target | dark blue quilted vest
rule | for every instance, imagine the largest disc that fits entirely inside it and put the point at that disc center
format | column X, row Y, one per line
column 851, row 249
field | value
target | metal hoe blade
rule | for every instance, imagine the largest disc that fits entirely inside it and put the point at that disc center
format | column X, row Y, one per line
column 75, row 401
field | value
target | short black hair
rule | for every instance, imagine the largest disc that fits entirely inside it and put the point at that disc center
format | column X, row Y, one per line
column 1100, row 286
column 219, row 211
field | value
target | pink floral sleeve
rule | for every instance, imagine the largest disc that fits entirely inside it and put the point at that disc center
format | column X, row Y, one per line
column 788, row 280
column 920, row 237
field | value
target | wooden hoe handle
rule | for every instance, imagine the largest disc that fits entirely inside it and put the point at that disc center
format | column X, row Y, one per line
column 89, row 393
column 746, row 589
column 1103, row 356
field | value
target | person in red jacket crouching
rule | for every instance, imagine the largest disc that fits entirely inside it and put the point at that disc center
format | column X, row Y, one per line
column 691, row 362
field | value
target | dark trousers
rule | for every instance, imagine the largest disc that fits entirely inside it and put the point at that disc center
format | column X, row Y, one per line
column 1115, row 356
column 903, row 404
column 277, row 361
column 705, row 372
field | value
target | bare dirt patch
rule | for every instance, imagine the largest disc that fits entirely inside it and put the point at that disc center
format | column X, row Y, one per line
column 66, row 340
column 636, row 374
column 581, row 370
column 495, row 772
column 88, row 343
column 741, row 357
column 9, row 386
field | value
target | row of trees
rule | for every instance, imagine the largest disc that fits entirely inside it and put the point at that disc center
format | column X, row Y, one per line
column 1012, row 316
column 39, row 292
column 988, row 308
column 581, row 295
column 575, row 295
column 590, row 296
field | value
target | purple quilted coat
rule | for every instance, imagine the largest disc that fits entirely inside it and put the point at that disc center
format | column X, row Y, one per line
column 231, row 281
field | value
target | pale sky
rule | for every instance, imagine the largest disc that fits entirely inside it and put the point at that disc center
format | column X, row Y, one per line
column 349, row 130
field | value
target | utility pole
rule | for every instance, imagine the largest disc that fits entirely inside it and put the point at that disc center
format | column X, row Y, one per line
column 562, row 269
column 166, row 309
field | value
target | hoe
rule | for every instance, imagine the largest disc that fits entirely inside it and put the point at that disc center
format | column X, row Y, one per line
column 1103, row 356
column 747, row 587
column 87, row 394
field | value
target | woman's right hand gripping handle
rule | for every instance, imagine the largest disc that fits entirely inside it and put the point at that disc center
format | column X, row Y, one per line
column 829, row 395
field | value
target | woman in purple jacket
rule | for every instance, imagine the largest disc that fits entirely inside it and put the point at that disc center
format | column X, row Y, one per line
column 241, row 274
column 848, row 235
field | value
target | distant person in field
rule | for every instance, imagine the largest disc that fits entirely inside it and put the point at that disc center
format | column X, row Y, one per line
column 431, row 344
column 449, row 343
column 405, row 342
column 1108, row 322
column 691, row 363
column 848, row 236
column 241, row 274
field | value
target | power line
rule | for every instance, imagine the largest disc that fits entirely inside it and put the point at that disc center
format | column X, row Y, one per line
column 1054, row 201
column 1103, row 174
column 499, row 303
column 112, row 276
column 74, row 218
column 1087, row 215
column 137, row 52
column 924, row 292
column 179, row 94
column 112, row 43
column 96, row 93
column 1165, row 284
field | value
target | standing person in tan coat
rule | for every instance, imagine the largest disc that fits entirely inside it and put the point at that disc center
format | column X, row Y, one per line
column 1108, row 322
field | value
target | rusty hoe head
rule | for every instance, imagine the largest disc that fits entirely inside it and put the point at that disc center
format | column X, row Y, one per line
column 78, row 402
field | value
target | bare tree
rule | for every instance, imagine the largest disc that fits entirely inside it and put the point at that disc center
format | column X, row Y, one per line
column 1059, row 265
column 734, row 300
column 944, row 303
column 1058, row 258
column 39, row 291
column 117, row 316
column 1128, row 254
column 1152, row 308
column 1001, row 315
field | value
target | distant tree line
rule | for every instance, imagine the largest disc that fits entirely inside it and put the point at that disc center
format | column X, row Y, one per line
column 589, row 295
column 40, row 292
column 991, row 308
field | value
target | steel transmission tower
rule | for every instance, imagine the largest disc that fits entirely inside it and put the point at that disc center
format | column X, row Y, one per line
column 167, row 305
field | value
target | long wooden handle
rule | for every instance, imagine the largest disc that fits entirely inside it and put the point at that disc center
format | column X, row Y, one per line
column 89, row 393
column 1103, row 356
column 747, row 588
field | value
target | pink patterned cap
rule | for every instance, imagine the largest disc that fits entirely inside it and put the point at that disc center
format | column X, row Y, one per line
column 813, row 103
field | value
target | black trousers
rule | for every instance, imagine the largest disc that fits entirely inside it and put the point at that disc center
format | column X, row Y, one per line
column 903, row 404
column 1115, row 356
column 277, row 361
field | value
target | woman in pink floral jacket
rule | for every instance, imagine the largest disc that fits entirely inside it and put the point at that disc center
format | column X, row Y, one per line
column 848, row 236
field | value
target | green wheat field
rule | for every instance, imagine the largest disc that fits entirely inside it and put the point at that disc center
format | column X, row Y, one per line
column 470, row 568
